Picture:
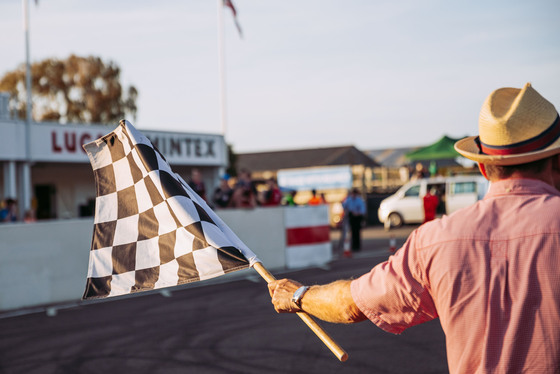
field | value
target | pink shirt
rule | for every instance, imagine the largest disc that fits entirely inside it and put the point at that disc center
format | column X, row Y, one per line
column 490, row 272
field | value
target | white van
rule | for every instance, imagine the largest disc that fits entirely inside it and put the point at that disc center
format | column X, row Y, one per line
column 406, row 205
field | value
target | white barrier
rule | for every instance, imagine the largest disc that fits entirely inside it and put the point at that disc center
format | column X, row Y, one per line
column 308, row 240
column 262, row 230
column 46, row 262
column 43, row 262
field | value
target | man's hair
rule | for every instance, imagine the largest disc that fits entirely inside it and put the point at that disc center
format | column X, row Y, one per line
column 506, row 171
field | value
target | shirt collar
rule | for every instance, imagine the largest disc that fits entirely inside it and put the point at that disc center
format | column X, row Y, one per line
column 520, row 187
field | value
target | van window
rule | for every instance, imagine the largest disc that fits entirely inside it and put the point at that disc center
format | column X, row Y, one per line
column 413, row 191
column 463, row 187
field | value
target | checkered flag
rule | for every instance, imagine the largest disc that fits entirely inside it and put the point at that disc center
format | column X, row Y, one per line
column 151, row 230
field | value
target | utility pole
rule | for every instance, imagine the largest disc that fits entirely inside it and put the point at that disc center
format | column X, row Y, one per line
column 25, row 171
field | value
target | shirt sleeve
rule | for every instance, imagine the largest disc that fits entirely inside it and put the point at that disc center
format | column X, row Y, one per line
column 393, row 294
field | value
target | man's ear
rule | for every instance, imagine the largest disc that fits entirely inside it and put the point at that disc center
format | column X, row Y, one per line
column 482, row 169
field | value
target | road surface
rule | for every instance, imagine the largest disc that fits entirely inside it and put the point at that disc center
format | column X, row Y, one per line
column 227, row 325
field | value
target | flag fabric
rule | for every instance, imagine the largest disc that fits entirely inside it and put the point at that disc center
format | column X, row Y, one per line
column 229, row 4
column 151, row 230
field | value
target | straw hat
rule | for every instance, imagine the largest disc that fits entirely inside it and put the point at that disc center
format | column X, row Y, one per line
column 515, row 126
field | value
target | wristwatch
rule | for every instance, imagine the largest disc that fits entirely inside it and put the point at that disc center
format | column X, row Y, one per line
column 298, row 295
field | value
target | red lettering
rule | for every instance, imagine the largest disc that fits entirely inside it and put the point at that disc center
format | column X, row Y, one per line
column 55, row 147
column 70, row 141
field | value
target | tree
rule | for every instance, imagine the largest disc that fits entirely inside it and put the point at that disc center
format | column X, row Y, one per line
column 232, row 161
column 78, row 89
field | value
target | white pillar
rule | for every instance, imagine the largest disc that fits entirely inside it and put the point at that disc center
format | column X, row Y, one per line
column 10, row 186
column 25, row 194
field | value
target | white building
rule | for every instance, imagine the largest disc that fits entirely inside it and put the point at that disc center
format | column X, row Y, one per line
column 60, row 181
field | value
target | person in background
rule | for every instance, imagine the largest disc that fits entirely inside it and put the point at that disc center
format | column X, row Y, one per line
column 29, row 216
column 289, row 198
column 315, row 200
column 488, row 271
column 244, row 193
column 430, row 202
column 432, row 169
column 420, row 172
column 355, row 209
column 272, row 196
column 197, row 184
column 9, row 211
column 222, row 193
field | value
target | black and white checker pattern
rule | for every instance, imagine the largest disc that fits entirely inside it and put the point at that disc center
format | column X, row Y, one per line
column 151, row 230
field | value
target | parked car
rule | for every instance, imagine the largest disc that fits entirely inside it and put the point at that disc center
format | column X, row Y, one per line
column 406, row 205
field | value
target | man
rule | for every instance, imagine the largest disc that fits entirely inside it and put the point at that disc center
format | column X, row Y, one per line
column 355, row 209
column 489, row 271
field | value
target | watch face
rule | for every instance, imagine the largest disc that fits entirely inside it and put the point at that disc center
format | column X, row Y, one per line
column 296, row 298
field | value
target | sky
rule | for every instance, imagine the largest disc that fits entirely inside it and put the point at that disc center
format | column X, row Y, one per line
column 306, row 74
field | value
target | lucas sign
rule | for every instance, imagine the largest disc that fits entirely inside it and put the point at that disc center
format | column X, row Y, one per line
column 51, row 142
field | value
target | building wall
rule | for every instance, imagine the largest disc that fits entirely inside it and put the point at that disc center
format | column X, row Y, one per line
column 73, row 186
column 62, row 184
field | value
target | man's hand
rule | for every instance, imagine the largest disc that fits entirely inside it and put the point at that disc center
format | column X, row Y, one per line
column 281, row 292
column 332, row 302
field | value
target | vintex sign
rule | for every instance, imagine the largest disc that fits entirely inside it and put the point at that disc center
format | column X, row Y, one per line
column 64, row 143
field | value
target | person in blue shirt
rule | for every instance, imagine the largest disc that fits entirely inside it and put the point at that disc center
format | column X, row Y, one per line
column 8, row 213
column 355, row 210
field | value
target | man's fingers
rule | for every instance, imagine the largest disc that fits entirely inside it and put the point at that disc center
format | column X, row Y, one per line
column 281, row 292
column 271, row 287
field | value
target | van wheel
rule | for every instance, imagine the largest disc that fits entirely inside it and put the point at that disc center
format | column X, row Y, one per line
column 395, row 220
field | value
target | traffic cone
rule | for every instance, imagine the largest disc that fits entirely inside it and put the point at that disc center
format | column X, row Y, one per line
column 392, row 244
column 347, row 252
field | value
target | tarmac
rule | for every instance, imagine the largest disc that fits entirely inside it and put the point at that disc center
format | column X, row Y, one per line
column 225, row 325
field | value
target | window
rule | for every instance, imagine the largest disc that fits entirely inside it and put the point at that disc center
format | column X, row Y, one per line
column 413, row 191
column 463, row 187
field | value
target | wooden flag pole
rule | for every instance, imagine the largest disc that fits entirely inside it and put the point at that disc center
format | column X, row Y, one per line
column 310, row 322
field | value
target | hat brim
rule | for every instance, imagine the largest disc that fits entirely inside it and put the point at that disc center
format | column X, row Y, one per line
column 467, row 147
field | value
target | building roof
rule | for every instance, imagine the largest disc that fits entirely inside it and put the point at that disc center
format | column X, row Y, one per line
column 303, row 158
column 442, row 151
column 391, row 157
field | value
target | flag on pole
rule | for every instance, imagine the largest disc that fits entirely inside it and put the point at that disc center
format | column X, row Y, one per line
column 151, row 230
column 229, row 4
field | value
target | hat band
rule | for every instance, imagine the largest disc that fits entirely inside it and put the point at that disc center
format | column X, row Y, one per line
column 536, row 143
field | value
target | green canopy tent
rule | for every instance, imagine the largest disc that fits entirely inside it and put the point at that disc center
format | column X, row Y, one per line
column 439, row 154
column 440, row 150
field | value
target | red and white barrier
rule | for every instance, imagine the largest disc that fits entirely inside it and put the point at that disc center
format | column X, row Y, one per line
column 46, row 262
column 308, row 240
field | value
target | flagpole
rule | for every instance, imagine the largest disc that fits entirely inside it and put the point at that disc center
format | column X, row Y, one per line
column 221, row 66
column 26, row 166
column 310, row 322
